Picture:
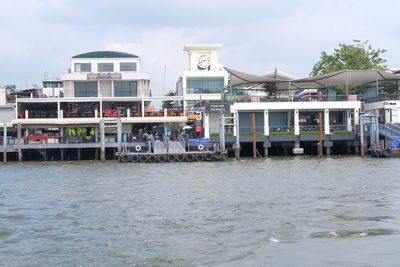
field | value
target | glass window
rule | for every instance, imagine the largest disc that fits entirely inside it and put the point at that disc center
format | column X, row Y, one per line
column 85, row 89
column 83, row 67
column 127, row 66
column 196, row 103
column 204, row 85
column 105, row 67
column 126, row 88
column 53, row 84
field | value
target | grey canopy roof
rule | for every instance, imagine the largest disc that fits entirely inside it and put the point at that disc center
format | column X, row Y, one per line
column 282, row 79
column 347, row 77
column 238, row 78
column 277, row 73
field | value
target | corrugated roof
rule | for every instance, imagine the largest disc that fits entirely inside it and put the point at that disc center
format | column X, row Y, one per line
column 105, row 54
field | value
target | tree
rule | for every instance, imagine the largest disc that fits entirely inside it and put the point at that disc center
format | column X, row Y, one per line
column 168, row 103
column 271, row 89
column 10, row 88
column 357, row 56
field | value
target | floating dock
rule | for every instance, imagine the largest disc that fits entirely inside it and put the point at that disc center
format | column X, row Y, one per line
column 170, row 157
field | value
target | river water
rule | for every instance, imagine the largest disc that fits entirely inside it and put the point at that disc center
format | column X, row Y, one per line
column 299, row 211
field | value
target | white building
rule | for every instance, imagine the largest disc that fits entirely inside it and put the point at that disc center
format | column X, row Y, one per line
column 205, row 78
column 203, row 82
column 106, row 74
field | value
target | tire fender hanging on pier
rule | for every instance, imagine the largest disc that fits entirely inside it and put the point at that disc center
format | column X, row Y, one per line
column 199, row 157
column 189, row 157
column 180, row 157
column 208, row 156
column 143, row 158
column 162, row 158
column 171, row 157
column 134, row 158
column 124, row 158
column 152, row 158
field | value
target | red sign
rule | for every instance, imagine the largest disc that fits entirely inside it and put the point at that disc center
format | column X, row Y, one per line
column 199, row 128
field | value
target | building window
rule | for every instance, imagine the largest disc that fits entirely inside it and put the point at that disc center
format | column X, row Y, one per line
column 105, row 67
column 52, row 84
column 127, row 66
column 204, row 85
column 85, row 89
column 125, row 88
column 83, row 67
column 196, row 103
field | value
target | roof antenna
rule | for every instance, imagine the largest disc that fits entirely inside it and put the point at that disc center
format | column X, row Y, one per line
column 164, row 78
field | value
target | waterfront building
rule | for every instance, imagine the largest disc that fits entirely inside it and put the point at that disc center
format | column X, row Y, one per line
column 99, row 86
column 292, row 121
column 106, row 97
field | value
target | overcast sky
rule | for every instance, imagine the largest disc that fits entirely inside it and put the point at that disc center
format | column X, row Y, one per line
column 38, row 37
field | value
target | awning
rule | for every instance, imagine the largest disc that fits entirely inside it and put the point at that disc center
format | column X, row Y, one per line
column 238, row 78
column 347, row 77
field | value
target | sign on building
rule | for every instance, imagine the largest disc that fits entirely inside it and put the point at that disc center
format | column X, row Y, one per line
column 103, row 76
column 217, row 108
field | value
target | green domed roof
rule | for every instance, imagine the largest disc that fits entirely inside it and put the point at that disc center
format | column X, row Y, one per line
column 105, row 54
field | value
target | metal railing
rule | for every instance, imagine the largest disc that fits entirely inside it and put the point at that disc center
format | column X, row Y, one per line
column 382, row 98
column 45, row 114
column 182, row 141
column 338, row 127
column 203, row 91
column 312, row 98
column 275, row 129
column 165, row 142
column 308, row 128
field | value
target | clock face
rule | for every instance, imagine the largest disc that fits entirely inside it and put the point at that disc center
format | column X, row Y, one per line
column 203, row 61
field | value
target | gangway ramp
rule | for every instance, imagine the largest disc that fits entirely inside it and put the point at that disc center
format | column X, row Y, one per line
column 389, row 131
column 393, row 127
column 159, row 147
column 176, row 147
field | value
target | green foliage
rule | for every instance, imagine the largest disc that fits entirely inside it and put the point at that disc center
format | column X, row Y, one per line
column 271, row 89
column 77, row 131
column 359, row 55
column 81, row 131
column 173, row 126
column 309, row 132
column 92, row 132
column 281, row 133
column 10, row 88
column 251, row 134
column 168, row 103
column 71, row 131
column 342, row 132
column 217, row 134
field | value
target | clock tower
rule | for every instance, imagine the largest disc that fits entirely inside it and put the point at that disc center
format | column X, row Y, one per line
column 203, row 57
column 203, row 83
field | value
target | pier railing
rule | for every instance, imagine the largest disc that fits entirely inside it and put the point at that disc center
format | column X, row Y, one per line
column 275, row 129
column 384, row 97
column 339, row 127
column 309, row 128
column 247, row 98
